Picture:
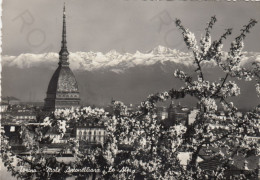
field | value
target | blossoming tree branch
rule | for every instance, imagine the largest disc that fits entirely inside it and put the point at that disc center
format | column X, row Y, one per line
column 138, row 145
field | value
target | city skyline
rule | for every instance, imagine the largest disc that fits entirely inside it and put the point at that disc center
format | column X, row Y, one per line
column 144, row 26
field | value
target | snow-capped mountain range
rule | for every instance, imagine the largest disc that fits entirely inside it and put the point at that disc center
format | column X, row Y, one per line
column 101, row 76
column 112, row 60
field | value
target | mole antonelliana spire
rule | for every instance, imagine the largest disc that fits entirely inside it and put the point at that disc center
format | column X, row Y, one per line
column 64, row 51
column 63, row 91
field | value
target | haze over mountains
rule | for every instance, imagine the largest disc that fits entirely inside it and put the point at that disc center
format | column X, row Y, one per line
column 102, row 76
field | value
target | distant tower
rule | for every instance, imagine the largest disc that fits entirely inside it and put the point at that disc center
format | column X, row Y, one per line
column 63, row 91
column 171, row 113
column 177, row 114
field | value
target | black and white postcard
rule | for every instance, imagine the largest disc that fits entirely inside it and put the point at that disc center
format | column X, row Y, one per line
column 130, row 90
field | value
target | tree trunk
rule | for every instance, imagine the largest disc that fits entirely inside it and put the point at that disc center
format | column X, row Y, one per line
column 94, row 176
column 192, row 165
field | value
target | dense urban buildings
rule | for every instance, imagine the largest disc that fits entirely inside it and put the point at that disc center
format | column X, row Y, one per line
column 91, row 133
column 10, row 100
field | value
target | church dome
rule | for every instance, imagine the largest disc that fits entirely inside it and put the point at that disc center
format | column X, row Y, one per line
column 63, row 80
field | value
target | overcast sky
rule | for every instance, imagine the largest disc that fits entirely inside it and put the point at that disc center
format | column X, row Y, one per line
column 34, row 26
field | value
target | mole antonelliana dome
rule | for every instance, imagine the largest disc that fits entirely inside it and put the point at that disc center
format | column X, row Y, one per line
column 63, row 91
